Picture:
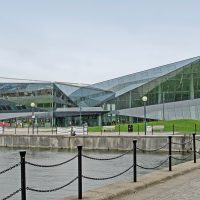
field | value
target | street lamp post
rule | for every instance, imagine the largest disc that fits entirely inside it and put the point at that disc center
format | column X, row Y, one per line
column 144, row 99
column 33, row 116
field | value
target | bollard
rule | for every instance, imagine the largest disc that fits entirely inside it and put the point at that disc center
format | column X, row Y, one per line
column 152, row 130
column 173, row 129
column 194, row 147
column 23, row 175
column 56, row 130
column 134, row 161
column 170, row 153
column 79, row 172
column 83, row 129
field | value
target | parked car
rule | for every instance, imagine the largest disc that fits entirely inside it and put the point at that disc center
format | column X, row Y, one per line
column 3, row 124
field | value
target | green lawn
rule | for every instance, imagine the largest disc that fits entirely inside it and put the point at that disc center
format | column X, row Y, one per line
column 184, row 126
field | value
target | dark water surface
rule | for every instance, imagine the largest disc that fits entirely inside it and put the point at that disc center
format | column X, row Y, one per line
column 49, row 178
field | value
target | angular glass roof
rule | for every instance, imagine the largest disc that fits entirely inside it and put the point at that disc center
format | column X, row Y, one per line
column 129, row 82
column 96, row 94
column 86, row 95
column 23, row 87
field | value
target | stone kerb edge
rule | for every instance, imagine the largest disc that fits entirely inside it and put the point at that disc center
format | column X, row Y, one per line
column 120, row 189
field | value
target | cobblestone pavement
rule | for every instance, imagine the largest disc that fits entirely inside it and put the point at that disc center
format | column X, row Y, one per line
column 186, row 187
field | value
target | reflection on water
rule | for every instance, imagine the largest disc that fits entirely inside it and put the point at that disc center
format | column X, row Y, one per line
column 49, row 178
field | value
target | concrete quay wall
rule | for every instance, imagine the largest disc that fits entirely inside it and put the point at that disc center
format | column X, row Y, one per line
column 96, row 142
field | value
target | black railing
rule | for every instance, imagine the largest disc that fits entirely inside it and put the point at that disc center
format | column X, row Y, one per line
column 52, row 130
column 24, row 188
column 137, row 128
column 8, row 170
column 81, row 175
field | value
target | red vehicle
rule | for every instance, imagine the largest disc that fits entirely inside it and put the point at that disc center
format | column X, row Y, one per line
column 4, row 124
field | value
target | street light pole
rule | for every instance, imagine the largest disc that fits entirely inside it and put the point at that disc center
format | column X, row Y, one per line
column 144, row 99
column 33, row 116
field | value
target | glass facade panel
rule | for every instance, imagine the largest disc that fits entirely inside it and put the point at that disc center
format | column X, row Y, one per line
column 174, row 82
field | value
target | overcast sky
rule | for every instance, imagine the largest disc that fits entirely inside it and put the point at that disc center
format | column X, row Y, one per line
column 88, row 41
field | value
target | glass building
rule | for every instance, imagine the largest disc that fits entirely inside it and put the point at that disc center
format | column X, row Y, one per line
column 173, row 92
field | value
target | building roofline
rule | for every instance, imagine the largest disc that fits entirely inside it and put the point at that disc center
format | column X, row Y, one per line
column 146, row 70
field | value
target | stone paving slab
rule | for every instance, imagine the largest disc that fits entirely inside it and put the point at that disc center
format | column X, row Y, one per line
column 128, row 190
column 184, row 187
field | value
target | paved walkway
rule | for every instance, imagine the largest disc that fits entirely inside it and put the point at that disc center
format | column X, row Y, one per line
column 186, row 187
column 182, row 183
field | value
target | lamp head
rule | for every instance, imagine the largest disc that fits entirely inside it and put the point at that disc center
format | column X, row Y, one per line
column 144, row 98
column 32, row 104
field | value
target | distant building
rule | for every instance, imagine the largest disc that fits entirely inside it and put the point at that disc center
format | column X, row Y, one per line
column 173, row 92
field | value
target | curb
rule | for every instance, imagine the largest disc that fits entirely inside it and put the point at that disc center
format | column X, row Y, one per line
column 116, row 190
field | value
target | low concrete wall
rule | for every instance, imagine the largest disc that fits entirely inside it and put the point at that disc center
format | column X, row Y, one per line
column 95, row 142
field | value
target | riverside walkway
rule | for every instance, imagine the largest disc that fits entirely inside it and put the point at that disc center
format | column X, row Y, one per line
column 184, row 187
column 182, row 183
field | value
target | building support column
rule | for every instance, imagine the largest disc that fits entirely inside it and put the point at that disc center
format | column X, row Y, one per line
column 191, row 87
column 192, row 108
column 130, row 105
column 159, row 94
column 99, row 120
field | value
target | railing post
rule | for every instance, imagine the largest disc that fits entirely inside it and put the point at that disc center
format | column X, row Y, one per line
column 23, row 175
column 152, row 130
column 195, row 128
column 52, row 130
column 33, row 127
column 79, row 172
column 194, row 147
column 134, row 161
column 15, row 129
column 28, row 129
column 170, row 152
column 138, row 129
column 119, row 129
column 173, row 129
column 56, row 130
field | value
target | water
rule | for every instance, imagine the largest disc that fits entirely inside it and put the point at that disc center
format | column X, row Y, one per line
column 49, row 178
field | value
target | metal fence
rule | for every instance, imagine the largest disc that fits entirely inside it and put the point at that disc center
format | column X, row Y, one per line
column 36, row 130
column 80, row 174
